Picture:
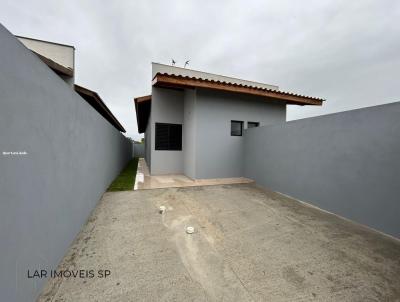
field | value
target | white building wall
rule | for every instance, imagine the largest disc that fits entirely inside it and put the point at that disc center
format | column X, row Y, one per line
column 61, row 54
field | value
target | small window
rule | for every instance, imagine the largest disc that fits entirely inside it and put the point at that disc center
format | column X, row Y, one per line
column 236, row 128
column 253, row 124
column 168, row 137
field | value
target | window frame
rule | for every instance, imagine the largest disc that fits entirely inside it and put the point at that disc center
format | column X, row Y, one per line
column 241, row 127
column 168, row 148
column 253, row 123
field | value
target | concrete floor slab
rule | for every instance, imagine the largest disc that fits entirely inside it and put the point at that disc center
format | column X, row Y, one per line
column 249, row 245
column 145, row 181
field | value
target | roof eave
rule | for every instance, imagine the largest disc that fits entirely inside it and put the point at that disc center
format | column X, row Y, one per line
column 141, row 123
column 112, row 119
column 174, row 81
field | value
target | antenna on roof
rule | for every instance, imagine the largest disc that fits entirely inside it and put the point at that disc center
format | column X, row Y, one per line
column 186, row 63
column 173, row 62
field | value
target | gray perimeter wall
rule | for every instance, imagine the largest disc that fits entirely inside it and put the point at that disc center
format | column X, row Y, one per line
column 138, row 150
column 46, row 195
column 347, row 163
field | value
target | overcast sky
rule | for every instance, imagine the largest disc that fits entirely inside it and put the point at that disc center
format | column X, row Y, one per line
column 345, row 51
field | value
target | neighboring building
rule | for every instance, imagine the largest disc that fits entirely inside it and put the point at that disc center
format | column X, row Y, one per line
column 61, row 59
column 194, row 121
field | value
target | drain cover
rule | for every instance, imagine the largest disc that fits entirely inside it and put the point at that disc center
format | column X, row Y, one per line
column 162, row 209
column 190, row 230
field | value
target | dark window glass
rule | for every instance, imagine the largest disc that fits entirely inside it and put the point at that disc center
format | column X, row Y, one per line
column 236, row 128
column 253, row 124
column 168, row 137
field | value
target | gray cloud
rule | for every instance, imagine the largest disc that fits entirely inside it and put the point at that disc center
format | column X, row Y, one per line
column 345, row 51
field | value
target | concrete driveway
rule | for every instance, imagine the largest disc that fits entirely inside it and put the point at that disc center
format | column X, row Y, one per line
column 248, row 245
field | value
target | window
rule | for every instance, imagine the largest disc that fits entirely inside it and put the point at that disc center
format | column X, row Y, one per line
column 253, row 124
column 236, row 128
column 168, row 137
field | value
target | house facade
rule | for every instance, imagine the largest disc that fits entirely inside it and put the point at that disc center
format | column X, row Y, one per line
column 194, row 121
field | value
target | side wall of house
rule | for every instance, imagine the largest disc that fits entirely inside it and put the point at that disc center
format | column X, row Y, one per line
column 166, row 107
column 189, row 133
column 147, row 142
column 347, row 163
column 218, row 154
column 72, row 155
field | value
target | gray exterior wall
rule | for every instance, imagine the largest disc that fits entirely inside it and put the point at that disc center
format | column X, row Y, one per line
column 218, row 154
column 189, row 133
column 73, row 154
column 347, row 163
column 138, row 150
column 208, row 149
column 166, row 107
column 147, row 143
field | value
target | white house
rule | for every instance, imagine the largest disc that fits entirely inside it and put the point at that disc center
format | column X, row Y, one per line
column 194, row 121
column 60, row 58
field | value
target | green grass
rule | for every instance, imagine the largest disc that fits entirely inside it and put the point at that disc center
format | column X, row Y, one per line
column 126, row 180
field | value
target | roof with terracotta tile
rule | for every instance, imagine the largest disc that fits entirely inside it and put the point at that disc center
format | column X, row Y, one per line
column 181, row 81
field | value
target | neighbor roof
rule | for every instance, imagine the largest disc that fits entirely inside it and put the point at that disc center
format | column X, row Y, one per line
column 97, row 103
